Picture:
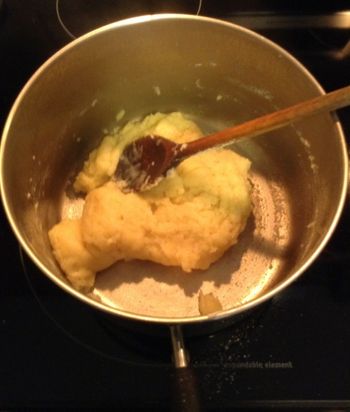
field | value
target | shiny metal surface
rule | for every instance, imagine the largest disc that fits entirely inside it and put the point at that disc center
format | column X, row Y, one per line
column 179, row 351
column 166, row 63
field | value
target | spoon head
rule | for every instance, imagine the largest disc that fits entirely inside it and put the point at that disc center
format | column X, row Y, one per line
column 145, row 161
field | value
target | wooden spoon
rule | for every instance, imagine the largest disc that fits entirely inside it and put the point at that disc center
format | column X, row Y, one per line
column 147, row 159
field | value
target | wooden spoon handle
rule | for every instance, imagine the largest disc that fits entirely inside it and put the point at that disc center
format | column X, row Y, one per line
column 327, row 102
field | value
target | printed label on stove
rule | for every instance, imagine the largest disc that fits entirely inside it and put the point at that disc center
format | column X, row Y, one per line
column 255, row 365
column 261, row 365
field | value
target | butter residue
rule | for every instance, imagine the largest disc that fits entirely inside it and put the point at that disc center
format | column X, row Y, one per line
column 208, row 303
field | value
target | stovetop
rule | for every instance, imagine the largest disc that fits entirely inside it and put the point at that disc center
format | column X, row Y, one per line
column 293, row 352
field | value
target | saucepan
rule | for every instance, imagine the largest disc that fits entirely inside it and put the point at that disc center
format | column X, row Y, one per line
column 220, row 74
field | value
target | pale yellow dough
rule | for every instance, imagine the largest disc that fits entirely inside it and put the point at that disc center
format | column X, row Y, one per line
column 189, row 219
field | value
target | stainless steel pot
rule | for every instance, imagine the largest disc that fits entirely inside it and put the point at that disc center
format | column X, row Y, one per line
column 219, row 74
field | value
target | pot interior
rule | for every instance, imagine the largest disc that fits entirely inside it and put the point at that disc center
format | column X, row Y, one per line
column 174, row 63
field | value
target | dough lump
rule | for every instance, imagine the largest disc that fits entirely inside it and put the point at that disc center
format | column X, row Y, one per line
column 188, row 220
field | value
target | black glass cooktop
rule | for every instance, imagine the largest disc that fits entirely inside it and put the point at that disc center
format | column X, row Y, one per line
column 293, row 352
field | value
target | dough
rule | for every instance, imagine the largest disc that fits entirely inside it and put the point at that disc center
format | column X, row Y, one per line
column 189, row 219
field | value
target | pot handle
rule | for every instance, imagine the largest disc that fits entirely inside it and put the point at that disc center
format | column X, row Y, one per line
column 179, row 350
column 186, row 398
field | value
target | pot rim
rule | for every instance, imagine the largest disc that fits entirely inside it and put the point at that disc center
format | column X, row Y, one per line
column 157, row 319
